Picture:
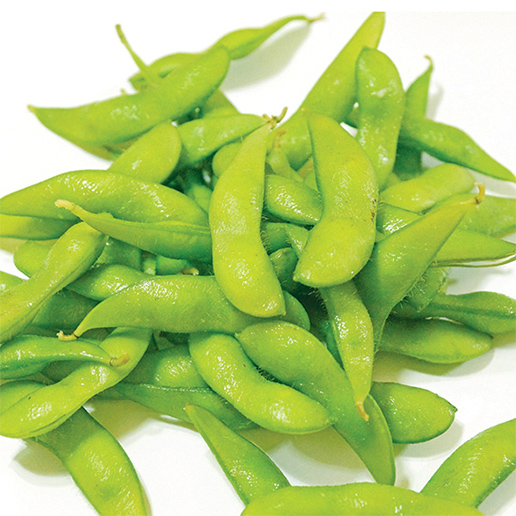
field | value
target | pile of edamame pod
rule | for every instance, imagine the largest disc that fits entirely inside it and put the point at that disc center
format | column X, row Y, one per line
column 240, row 272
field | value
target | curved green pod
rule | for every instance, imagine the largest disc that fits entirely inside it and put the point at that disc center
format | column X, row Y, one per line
column 240, row 262
column 434, row 340
column 32, row 228
column 476, row 467
column 359, row 499
column 291, row 200
column 178, row 304
column 100, row 191
column 488, row 312
column 432, row 186
column 29, row 354
column 400, row 259
column 49, row 407
column 224, row 366
column 249, row 469
column 296, row 357
column 153, row 156
column 239, row 43
column 414, row 415
column 333, row 94
column 121, row 118
column 170, row 238
column 381, row 98
column 95, row 460
column 341, row 242
column 70, row 256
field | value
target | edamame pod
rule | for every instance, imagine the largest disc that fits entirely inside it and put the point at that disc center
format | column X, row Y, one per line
column 70, row 256
column 94, row 458
column 49, row 407
column 296, row 357
column 121, row 118
column 359, row 499
column 341, row 242
column 434, row 340
column 178, row 304
column 225, row 367
column 100, row 191
column 381, row 99
column 476, row 467
column 170, row 238
column 32, row 228
column 240, row 262
column 251, row 472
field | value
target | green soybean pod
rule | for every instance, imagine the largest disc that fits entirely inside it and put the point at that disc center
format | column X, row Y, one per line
column 70, row 256
column 434, row 185
column 96, row 461
column 29, row 354
column 249, row 469
column 381, row 101
column 170, row 238
column 357, row 499
column 333, row 94
column 178, row 304
column 49, row 407
column 414, row 415
column 341, row 242
column 225, row 367
column 124, row 197
column 476, row 467
column 488, row 312
column 121, row 118
column 240, row 262
column 434, row 340
column 153, row 156
column 401, row 258
column 32, row 228
column 296, row 357
column 239, row 43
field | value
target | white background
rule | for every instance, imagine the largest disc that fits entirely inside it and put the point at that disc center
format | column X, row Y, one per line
column 67, row 53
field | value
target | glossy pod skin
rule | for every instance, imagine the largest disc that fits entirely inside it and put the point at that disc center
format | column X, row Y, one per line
column 32, row 228
column 179, row 304
column 401, row 258
column 29, row 354
column 488, row 312
column 413, row 414
column 381, row 99
column 121, row 118
column 70, row 256
column 102, row 191
column 434, row 340
column 239, row 44
column 240, row 262
column 476, row 467
column 225, row 367
column 296, row 357
column 94, row 458
column 359, row 499
column 49, row 407
column 98, row 282
column 153, row 156
column 334, row 92
column 251, row 472
column 341, row 242
column 171, row 238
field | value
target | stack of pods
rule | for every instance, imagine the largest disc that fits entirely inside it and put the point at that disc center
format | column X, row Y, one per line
column 237, row 271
